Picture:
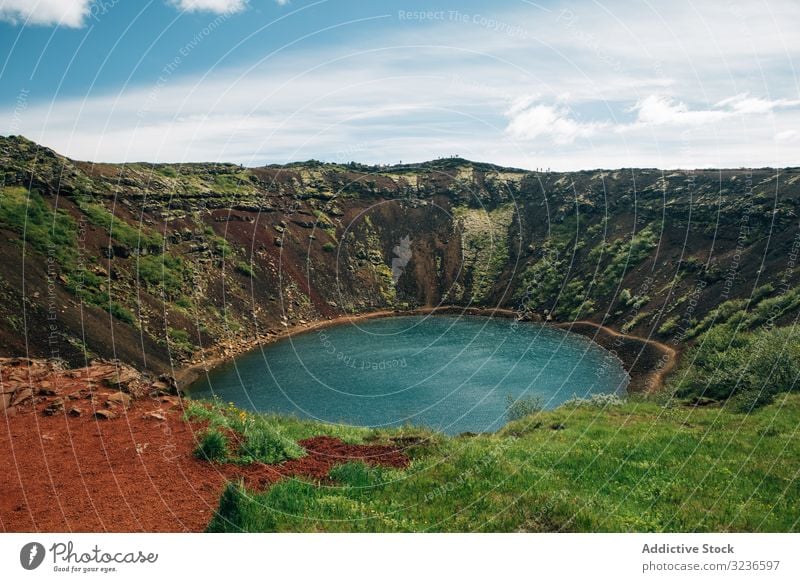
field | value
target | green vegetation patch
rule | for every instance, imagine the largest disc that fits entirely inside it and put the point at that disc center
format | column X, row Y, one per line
column 118, row 229
column 622, row 254
column 261, row 439
column 749, row 368
column 54, row 233
column 591, row 465
column 47, row 230
column 484, row 244
column 165, row 272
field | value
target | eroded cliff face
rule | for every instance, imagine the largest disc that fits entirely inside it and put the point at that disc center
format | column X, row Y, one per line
column 153, row 263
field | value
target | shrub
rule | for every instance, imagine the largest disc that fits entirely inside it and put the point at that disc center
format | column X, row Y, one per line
column 750, row 400
column 523, row 406
column 232, row 510
column 266, row 445
column 245, row 269
column 668, row 326
column 328, row 247
column 121, row 313
column 213, row 446
column 748, row 368
column 180, row 339
column 163, row 271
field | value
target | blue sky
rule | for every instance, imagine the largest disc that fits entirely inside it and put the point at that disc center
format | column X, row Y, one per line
column 560, row 85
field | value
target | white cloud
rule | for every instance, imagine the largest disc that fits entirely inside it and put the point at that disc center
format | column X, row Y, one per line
column 529, row 121
column 745, row 104
column 216, row 6
column 656, row 110
column 787, row 136
column 70, row 13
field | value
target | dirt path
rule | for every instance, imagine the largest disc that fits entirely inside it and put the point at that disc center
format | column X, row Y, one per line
column 647, row 361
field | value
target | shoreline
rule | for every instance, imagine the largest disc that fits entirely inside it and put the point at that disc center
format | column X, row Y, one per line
column 646, row 361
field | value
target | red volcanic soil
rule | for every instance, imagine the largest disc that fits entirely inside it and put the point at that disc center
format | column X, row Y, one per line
column 134, row 472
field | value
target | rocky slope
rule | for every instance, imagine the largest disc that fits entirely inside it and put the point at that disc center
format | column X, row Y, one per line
column 159, row 265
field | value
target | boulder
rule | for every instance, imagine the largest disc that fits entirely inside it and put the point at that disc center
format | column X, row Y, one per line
column 120, row 398
column 171, row 383
column 122, row 377
column 21, row 396
column 55, row 407
column 154, row 415
column 75, row 411
column 171, row 400
column 122, row 251
column 104, row 414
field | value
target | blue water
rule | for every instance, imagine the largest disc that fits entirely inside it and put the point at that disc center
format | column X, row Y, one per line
column 450, row 373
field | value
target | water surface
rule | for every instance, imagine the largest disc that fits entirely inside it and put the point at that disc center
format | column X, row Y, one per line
column 450, row 373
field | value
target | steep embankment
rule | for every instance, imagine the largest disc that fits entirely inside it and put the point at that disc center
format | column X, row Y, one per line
column 163, row 266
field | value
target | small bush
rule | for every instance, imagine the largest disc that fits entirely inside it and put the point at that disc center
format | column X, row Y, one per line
column 245, row 269
column 180, row 339
column 747, row 368
column 232, row 511
column 213, row 446
column 752, row 399
column 328, row 247
column 164, row 272
column 266, row 445
column 523, row 406
column 668, row 326
column 121, row 313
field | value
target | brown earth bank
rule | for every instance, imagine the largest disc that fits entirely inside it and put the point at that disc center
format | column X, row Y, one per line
column 105, row 449
column 647, row 361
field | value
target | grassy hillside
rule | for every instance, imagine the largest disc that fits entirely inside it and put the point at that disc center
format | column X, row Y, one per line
column 155, row 263
column 634, row 466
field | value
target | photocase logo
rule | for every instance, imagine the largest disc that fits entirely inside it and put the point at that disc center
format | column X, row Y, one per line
column 31, row 555
column 402, row 257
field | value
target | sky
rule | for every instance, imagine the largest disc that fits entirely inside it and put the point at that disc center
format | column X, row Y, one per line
column 539, row 85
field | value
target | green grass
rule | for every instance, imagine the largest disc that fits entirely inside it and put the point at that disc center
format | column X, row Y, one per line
column 213, row 446
column 245, row 269
column 622, row 255
column 47, row 230
column 165, row 272
column 118, row 229
column 262, row 439
column 180, row 339
column 54, row 233
column 121, row 313
column 596, row 466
